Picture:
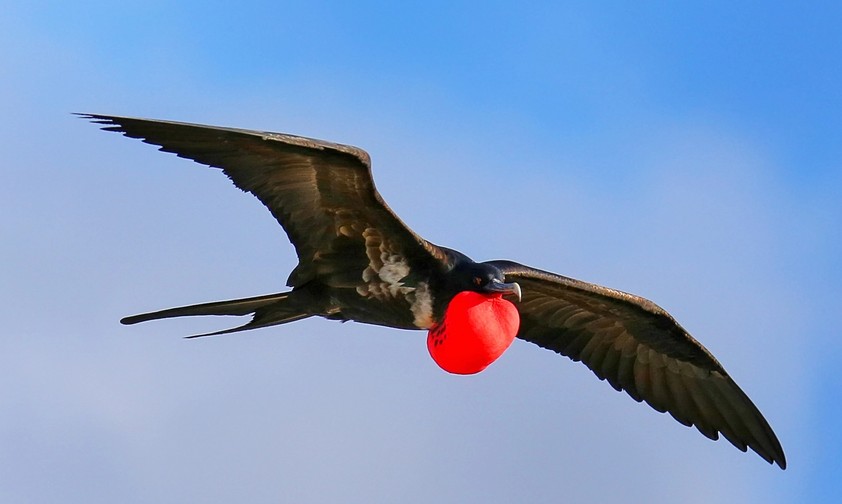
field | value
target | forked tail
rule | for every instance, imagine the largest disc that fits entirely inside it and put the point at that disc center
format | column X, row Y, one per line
column 268, row 310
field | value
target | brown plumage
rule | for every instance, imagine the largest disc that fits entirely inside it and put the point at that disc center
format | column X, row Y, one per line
column 358, row 261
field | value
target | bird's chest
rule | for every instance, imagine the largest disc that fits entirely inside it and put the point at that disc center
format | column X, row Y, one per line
column 476, row 329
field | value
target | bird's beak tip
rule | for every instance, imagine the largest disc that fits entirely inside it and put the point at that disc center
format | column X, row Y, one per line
column 506, row 288
column 516, row 290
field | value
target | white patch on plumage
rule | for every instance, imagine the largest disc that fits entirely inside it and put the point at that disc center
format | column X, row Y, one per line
column 384, row 275
column 385, row 269
column 385, row 282
column 394, row 270
column 422, row 306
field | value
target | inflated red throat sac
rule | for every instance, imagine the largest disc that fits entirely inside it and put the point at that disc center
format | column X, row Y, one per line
column 476, row 330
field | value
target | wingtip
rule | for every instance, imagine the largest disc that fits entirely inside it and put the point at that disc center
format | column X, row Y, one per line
column 107, row 122
column 773, row 457
column 780, row 459
column 89, row 116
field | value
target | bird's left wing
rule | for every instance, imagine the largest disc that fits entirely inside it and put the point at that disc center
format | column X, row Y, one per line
column 638, row 347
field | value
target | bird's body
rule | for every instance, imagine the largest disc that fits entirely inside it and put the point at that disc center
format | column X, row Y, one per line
column 358, row 261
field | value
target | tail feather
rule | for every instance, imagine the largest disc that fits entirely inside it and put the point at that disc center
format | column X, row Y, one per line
column 256, row 323
column 268, row 310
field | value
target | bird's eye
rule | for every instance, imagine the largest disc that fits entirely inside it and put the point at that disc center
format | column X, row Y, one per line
column 478, row 281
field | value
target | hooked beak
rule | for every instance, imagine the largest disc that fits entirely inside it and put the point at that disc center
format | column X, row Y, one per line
column 504, row 288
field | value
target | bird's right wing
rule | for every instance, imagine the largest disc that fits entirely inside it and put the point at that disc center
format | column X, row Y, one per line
column 322, row 194
column 638, row 347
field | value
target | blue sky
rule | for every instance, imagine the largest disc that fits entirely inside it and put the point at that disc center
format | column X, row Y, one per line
column 690, row 154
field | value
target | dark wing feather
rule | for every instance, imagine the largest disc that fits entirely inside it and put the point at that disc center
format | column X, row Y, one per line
column 638, row 347
column 321, row 193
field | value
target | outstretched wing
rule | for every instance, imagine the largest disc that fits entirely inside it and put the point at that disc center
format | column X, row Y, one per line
column 638, row 347
column 321, row 193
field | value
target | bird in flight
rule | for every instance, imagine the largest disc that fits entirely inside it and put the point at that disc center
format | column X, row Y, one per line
column 358, row 261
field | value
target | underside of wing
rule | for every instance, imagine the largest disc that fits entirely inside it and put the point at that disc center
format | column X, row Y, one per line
column 322, row 194
column 638, row 347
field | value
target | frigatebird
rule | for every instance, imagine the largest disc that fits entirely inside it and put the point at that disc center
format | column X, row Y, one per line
column 358, row 261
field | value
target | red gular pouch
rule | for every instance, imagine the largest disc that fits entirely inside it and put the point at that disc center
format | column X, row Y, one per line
column 476, row 330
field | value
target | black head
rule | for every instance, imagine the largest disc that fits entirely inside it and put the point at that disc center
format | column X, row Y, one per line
column 484, row 278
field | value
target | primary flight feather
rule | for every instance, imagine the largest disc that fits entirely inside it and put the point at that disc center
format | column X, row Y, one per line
column 358, row 261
